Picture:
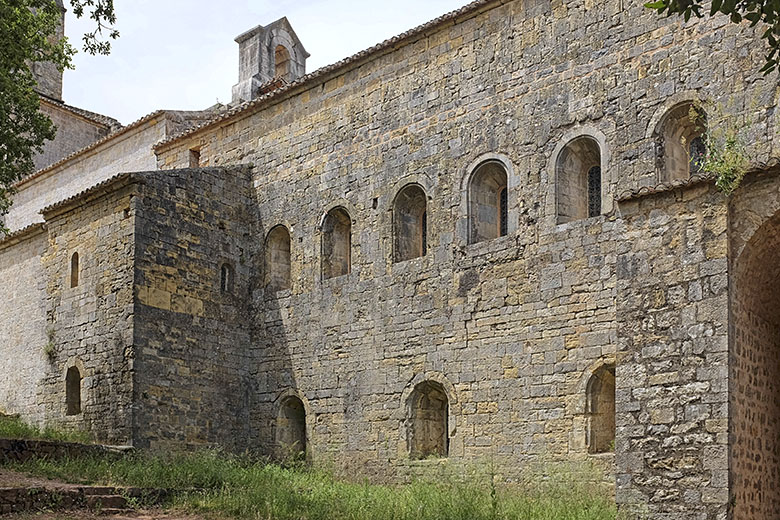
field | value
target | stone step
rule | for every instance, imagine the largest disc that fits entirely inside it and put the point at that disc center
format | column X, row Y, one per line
column 111, row 511
column 106, row 502
column 99, row 490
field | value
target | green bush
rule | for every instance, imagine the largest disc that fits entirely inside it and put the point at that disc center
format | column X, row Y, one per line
column 12, row 427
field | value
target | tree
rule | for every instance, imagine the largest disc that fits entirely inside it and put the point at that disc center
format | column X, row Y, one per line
column 754, row 11
column 28, row 31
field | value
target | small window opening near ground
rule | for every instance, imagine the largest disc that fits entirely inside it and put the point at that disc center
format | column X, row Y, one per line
column 410, row 223
column 336, row 243
column 601, row 410
column 73, row 391
column 679, row 142
column 488, row 203
column 578, row 182
column 283, row 64
column 226, row 278
column 291, row 429
column 428, row 410
column 74, row 270
column 277, row 259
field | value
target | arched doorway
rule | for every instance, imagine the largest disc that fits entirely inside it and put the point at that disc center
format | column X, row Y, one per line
column 755, row 376
column 291, row 429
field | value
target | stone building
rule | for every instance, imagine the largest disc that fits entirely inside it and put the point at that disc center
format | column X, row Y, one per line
column 484, row 239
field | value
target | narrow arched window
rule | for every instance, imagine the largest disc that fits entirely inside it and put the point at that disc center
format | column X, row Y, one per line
column 680, row 146
column 488, row 202
column 336, row 243
column 74, row 270
column 410, row 223
column 226, row 278
column 427, row 416
column 277, row 259
column 282, row 63
column 72, row 391
column 291, row 429
column 578, row 181
column 601, row 410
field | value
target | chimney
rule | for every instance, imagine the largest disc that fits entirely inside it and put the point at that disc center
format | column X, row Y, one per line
column 267, row 54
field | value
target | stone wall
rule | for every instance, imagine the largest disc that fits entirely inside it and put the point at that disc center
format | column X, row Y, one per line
column 23, row 337
column 672, row 365
column 130, row 152
column 91, row 325
column 192, row 383
column 74, row 132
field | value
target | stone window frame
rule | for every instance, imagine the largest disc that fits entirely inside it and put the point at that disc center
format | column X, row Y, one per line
column 265, row 281
column 279, row 37
column 607, row 202
column 580, row 407
column 309, row 417
column 78, row 364
column 656, row 120
column 74, row 270
column 455, row 443
column 424, row 224
column 227, row 278
column 354, row 232
column 656, row 131
column 513, row 183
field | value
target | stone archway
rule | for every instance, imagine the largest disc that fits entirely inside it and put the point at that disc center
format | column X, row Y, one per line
column 755, row 376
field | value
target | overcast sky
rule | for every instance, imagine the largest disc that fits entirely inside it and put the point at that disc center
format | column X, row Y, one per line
column 181, row 54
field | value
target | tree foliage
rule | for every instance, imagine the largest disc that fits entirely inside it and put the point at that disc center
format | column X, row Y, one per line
column 28, row 35
column 753, row 11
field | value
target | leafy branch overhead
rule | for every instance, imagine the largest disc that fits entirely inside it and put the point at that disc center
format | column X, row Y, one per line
column 29, row 35
column 754, row 11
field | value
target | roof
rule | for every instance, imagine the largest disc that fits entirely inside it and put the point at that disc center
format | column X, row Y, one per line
column 108, row 122
column 664, row 186
column 21, row 234
column 120, row 179
column 340, row 66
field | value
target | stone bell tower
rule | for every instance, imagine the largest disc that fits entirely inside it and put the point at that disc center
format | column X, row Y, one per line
column 267, row 53
column 47, row 77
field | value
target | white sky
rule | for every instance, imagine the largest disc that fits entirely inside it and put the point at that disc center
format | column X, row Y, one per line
column 180, row 54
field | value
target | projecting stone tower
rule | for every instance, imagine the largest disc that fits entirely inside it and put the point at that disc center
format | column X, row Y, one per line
column 267, row 53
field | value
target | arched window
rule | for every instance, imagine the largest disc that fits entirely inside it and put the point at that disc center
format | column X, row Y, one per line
column 680, row 147
column 291, row 429
column 282, row 65
column 410, row 223
column 277, row 259
column 428, row 409
column 488, row 202
column 601, row 410
column 73, row 391
column 74, row 270
column 578, row 180
column 336, row 243
column 226, row 278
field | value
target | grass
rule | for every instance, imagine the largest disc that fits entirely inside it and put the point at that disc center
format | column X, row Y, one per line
column 12, row 427
column 234, row 487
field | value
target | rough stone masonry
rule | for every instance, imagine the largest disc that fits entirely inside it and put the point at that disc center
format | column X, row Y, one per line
column 482, row 240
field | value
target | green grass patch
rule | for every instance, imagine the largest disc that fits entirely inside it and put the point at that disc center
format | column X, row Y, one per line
column 235, row 487
column 12, row 427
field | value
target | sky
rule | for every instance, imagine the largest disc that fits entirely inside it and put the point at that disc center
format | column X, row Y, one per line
column 181, row 54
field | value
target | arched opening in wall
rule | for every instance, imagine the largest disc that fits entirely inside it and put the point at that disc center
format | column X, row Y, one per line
column 291, row 429
column 427, row 413
column 74, row 270
column 754, row 379
column 601, row 410
column 336, row 243
column 680, row 147
column 277, row 259
column 578, row 180
column 488, row 203
column 72, row 391
column 282, row 63
column 410, row 223
column 226, row 276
